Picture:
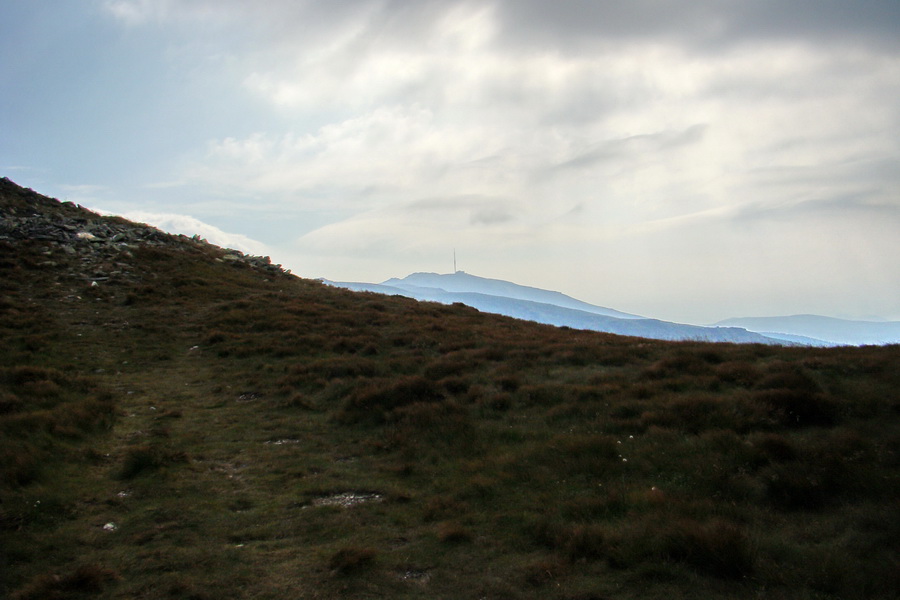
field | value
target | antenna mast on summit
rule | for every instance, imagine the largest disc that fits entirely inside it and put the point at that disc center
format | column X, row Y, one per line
column 454, row 260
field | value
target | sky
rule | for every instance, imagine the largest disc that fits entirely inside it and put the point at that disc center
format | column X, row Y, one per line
column 689, row 161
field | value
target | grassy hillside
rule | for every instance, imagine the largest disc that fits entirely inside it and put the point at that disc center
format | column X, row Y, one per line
column 177, row 421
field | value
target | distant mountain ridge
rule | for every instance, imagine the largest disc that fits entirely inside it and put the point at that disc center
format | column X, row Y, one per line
column 554, row 308
column 829, row 329
column 464, row 282
column 548, row 307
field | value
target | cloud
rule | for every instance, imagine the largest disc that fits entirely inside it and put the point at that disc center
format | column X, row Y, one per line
column 529, row 111
column 163, row 185
column 412, row 224
column 572, row 24
column 632, row 146
column 708, row 25
column 681, row 143
column 390, row 155
column 190, row 226
column 85, row 194
column 83, row 189
column 388, row 148
column 459, row 212
column 137, row 12
column 18, row 168
column 656, row 134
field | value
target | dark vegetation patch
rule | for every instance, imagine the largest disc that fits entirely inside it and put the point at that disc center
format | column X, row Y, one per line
column 145, row 459
column 351, row 560
column 171, row 432
column 43, row 412
column 386, row 399
column 83, row 581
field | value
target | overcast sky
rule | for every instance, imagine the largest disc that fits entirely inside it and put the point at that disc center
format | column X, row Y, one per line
column 689, row 161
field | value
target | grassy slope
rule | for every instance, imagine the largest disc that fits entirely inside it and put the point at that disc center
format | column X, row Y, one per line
column 205, row 408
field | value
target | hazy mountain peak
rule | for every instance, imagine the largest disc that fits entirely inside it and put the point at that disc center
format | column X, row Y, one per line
column 462, row 282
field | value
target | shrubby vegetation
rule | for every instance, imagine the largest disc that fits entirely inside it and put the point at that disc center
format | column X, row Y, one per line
column 174, row 436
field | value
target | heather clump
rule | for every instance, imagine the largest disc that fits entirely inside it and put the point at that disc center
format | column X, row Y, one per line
column 376, row 400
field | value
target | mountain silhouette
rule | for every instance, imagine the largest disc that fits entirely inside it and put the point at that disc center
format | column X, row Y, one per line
column 545, row 306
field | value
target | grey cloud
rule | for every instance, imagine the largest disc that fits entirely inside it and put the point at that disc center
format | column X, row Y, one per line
column 603, row 153
column 612, row 150
column 826, row 20
column 875, row 174
column 491, row 216
column 313, row 23
column 576, row 210
column 862, row 189
column 476, row 209
column 861, row 203
column 445, row 203
column 573, row 24
column 710, row 23
column 686, row 137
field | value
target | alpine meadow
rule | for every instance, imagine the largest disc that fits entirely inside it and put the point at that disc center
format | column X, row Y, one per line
column 178, row 420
